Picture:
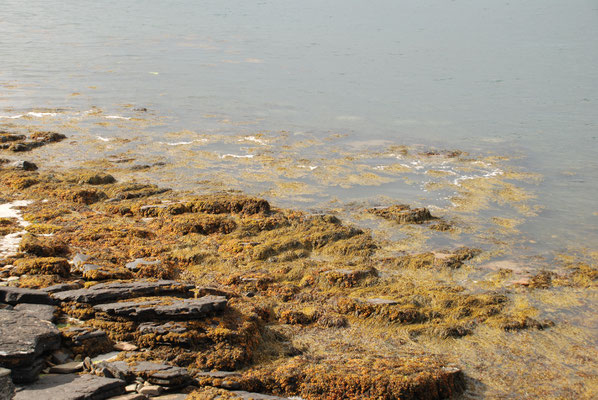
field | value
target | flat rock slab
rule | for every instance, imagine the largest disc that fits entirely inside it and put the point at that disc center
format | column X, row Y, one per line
column 109, row 292
column 163, row 309
column 24, row 337
column 154, row 373
column 14, row 295
column 62, row 287
column 72, row 387
column 42, row 311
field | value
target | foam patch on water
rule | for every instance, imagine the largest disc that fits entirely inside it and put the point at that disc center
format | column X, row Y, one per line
column 116, row 117
column 30, row 114
column 237, row 156
column 9, row 244
column 103, row 139
column 254, row 139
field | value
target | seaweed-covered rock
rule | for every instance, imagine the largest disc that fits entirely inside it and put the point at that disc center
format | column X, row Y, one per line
column 43, row 265
column 72, row 387
column 86, row 341
column 403, row 214
column 107, row 292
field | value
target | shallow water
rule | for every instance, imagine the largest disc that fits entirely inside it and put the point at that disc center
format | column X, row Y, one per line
column 330, row 106
column 515, row 80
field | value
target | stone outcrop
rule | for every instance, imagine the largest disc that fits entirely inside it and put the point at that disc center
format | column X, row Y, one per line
column 14, row 295
column 154, row 373
column 42, row 311
column 107, row 292
column 7, row 388
column 163, row 309
column 23, row 341
column 72, row 387
column 403, row 214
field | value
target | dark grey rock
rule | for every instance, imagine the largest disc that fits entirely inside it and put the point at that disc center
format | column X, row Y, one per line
column 23, row 338
column 161, row 329
column 28, row 373
column 138, row 263
column 7, row 388
column 72, row 387
column 22, row 165
column 219, row 374
column 107, row 292
column 14, row 295
column 61, row 356
column 158, row 310
column 154, row 373
column 62, row 287
column 151, row 390
column 41, row 311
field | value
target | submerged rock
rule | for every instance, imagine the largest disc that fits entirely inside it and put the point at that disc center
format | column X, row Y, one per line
column 72, row 387
column 403, row 214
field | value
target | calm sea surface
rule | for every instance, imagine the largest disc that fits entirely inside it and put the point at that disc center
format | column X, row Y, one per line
column 513, row 79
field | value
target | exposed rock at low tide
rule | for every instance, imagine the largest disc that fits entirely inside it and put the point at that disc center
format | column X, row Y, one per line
column 106, row 292
column 23, row 340
column 403, row 214
column 163, row 309
column 72, row 387
column 14, row 295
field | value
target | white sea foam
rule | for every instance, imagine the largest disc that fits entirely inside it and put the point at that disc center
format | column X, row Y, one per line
column 103, row 139
column 310, row 167
column 11, row 116
column 490, row 174
column 9, row 244
column 237, row 156
column 116, row 117
column 42, row 114
column 254, row 139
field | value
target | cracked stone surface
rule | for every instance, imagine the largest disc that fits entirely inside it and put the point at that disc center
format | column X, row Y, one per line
column 72, row 387
column 108, row 292
column 163, row 309
column 23, row 338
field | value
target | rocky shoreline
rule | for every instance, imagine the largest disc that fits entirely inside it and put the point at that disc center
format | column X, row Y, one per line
column 128, row 291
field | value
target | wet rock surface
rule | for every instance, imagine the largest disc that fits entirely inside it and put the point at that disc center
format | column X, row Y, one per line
column 72, row 387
